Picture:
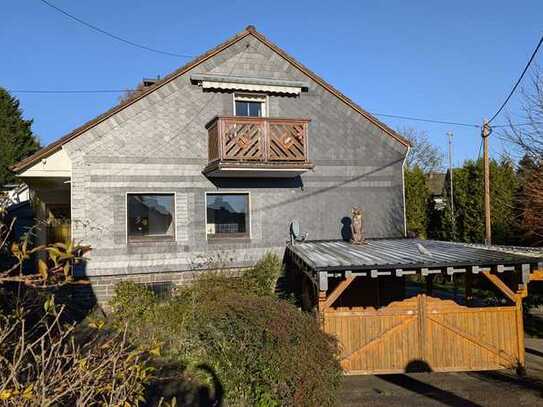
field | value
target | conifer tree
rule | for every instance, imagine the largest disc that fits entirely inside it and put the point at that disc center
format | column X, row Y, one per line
column 416, row 198
column 16, row 138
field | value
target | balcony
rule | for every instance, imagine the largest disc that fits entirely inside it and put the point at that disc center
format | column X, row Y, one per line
column 257, row 147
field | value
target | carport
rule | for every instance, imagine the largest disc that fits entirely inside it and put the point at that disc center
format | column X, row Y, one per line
column 359, row 293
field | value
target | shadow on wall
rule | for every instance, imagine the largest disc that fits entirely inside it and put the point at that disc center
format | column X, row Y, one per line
column 331, row 188
column 346, row 232
column 395, row 216
column 414, row 385
column 393, row 222
column 78, row 299
column 257, row 183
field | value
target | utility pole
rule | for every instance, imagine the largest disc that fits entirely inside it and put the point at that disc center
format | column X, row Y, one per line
column 485, row 133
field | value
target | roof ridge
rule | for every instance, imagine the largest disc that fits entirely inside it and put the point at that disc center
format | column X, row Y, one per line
column 249, row 30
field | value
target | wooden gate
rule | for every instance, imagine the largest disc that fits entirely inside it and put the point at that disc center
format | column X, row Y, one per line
column 426, row 333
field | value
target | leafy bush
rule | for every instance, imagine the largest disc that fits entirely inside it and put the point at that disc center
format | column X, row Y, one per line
column 262, row 350
column 263, row 276
column 42, row 363
column 131, row 300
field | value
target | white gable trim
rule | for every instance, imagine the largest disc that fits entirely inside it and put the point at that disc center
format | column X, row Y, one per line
column 57, row 164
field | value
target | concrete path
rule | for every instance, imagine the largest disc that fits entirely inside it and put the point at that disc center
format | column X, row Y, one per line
column 496, row 388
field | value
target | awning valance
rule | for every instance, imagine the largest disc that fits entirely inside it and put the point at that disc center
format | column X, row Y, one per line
column 249, row 84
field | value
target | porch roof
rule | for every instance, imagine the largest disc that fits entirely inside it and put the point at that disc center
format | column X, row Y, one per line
column 408, row 256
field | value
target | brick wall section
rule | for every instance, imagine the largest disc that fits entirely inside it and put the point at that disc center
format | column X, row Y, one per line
column 159, row 144
column 102, row 288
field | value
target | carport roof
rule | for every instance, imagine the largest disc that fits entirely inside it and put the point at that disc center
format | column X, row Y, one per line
column 406, row 256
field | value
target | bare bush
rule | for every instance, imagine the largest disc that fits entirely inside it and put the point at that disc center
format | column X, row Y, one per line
column 525, row 130
column 423, row 153
column 44, row 365
column 54, row 268
column 43, row 360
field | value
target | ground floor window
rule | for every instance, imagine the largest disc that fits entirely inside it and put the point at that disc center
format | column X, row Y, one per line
column 151, row 217
column 227, row 215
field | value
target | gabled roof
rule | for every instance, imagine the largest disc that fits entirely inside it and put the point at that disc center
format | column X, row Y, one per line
column 249, row 31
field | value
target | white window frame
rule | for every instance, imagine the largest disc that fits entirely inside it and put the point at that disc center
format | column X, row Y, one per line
column 249, row 209
column 251, row 97
column 143, row 241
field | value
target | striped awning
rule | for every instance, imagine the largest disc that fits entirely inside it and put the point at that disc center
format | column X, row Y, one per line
column 249, row 84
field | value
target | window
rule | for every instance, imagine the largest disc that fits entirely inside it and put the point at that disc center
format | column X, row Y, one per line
column 227, row 215
column 151, row 217
column 249, row 105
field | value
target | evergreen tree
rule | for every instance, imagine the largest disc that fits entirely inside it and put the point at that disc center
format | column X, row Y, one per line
column 503, row 187
column 16, row 138
column 416, row 198
column 529, row 201
column 468, row 224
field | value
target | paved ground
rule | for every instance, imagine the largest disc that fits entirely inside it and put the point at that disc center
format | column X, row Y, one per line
column 496, row 388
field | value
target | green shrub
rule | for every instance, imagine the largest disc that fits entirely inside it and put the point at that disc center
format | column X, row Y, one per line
column 262, row 350
column 131, row 300
column 267, row 352
column 263, row 276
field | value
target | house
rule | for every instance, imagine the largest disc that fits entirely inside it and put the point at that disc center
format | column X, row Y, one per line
column 436, row 181
column 15, row 204
column 217, row 157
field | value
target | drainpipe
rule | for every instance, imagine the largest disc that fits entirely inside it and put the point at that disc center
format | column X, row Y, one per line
column 403, row 192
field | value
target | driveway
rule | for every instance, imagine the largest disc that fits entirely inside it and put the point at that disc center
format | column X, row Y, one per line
column 496, row 388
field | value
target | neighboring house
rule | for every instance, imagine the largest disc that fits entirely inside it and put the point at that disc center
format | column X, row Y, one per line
column 15, row 201
column 435, row 181
column 13, row 194
column 218, row 157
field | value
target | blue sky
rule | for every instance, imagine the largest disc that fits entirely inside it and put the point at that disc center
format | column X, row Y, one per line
column 442, row 60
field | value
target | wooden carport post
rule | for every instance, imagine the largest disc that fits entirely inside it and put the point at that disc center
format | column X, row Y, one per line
column 326, row 301
column 323, row 287
column 517, row 299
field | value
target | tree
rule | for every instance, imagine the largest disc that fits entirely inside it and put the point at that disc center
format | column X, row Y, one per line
column 467, row 223
column 422, row 159
column 503, row 187
column 529, row 201
column 423, row 153
column 416, row 200
column 528, row 138
column 16, row 138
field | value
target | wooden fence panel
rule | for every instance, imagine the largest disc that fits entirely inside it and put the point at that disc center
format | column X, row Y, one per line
column 422, row 333
column 474, row 338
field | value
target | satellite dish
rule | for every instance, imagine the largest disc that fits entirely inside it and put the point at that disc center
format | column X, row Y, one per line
column 295, row 234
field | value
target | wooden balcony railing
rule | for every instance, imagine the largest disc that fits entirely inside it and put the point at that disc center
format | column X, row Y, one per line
column 258, row 140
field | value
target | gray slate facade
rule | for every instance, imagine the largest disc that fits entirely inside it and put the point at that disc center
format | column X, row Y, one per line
column 159, row 144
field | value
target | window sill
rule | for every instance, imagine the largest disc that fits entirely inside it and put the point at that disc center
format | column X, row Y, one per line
column 143, row 242
column 229, row 239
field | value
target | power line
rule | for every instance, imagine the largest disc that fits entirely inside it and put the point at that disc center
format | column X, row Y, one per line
column 518, row 80
column 69, row 91
column 480, row 147
column 518, row 124
column 98, row 91
column 116, row 37
column 425, row 120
